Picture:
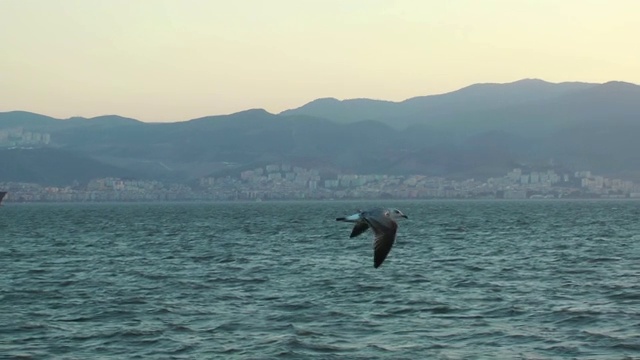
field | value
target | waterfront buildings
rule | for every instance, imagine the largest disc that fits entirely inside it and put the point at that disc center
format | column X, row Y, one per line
column 286, row 182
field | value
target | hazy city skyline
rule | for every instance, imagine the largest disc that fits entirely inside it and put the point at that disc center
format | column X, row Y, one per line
column 286, row 182
column 177, row 60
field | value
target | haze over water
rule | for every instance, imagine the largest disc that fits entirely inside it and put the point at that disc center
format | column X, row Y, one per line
column 466, row 279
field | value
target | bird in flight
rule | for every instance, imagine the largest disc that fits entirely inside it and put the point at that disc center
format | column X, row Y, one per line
column 383, row 223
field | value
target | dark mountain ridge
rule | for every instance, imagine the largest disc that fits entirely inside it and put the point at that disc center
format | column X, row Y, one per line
column 440, row 107
column 478, row 131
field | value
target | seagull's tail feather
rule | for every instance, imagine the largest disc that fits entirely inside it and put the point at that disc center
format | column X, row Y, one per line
column 341, row 219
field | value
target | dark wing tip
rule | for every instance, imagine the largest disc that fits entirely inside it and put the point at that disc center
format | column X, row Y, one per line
column 378, row 259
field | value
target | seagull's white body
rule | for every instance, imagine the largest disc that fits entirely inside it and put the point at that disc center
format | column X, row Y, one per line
column 384, row 225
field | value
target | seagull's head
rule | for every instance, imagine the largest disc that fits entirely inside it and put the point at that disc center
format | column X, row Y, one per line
column 396, row 214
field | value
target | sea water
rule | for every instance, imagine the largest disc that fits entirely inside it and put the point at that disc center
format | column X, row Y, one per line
column 464, row 280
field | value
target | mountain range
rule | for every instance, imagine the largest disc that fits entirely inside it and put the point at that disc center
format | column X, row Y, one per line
column 478, row 131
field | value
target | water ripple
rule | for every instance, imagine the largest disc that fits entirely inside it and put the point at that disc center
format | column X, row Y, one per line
column 472, row 279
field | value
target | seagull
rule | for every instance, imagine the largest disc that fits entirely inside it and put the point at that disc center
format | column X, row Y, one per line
column 383, row 223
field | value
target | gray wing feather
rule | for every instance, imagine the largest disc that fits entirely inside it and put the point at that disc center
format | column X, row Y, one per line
column 360, row 227
column 385, row 234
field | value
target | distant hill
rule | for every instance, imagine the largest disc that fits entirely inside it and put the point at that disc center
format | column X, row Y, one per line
column 54, row 167
column 478, row 131
column 436, row 109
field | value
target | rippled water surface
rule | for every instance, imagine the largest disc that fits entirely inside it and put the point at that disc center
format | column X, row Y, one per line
column 465, row 280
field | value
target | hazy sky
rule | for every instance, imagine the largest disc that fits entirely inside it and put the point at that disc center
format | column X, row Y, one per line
column 173, row 60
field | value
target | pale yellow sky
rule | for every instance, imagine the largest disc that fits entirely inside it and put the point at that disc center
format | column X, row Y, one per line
column 174, row 60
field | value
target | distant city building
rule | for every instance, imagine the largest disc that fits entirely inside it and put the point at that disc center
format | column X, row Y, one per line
column 278, row 182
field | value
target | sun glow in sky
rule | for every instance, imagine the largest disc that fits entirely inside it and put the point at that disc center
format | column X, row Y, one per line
column 174, row 60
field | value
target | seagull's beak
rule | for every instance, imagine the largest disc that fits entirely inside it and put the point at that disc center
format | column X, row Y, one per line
column 405, row 216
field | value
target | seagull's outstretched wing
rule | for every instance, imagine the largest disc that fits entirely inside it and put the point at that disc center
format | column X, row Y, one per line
column 385, row 230
column 360, row 227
